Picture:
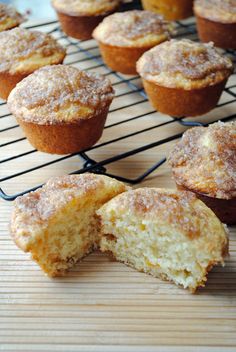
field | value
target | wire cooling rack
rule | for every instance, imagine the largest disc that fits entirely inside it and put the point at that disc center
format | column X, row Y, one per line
column 19, row 159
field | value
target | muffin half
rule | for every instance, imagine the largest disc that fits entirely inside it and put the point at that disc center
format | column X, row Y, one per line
column 22, row 52
column 9, row 17
column 204, row 162
column 61, row 109
column 165, row 233
column 184, row 78
column 171, row 9
column 124, row 37
column 78, row 18
column 57, row 224
column 216, row 22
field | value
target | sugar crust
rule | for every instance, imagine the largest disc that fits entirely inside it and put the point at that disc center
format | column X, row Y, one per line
column 204, row 160
column 184, row 64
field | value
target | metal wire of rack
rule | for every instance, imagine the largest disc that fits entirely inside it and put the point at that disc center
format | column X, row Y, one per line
column 86, row 54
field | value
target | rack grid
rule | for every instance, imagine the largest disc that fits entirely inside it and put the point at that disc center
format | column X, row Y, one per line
column 85, row 54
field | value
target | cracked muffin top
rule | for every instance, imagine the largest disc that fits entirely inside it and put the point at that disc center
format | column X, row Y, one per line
column 184, row 64
column 85, row 7
column 60, row 93
column 204, row 160
column 133, row 29
column 23, row 51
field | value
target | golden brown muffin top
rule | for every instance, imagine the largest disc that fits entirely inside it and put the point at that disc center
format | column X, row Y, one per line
column 223, row 11
column 204, row 160
column 181, row 210
column 33, row 211
column 19, row 44
column 184, row 64
column 41, row 204
column 85, row 7
column 60, row 94
column 133, row 28
column 9, row 17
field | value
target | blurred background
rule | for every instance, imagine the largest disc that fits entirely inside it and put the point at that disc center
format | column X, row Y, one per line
column 35, row 9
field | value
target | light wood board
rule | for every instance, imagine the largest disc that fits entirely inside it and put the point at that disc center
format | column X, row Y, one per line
column 102, row 305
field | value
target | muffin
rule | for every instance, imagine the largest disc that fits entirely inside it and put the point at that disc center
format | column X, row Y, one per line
column 61, row 109
column 171, row 9
column 216, row 21
column 9, row 17
column 22, row 52
column 184, row 78
column 57, row 224
column 204, row 162
column 78, row 18
column 124, row 37
column 168, row 234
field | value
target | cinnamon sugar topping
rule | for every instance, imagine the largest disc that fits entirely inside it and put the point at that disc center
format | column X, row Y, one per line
column 19, row 44
column 85, row 7
column 223, row 11
column 204, row 160
column 177, row 62
column 35, row 208
column 41, row 204
column 176, row 208
column 123, row 28
column 8, row 12
column 60, row 93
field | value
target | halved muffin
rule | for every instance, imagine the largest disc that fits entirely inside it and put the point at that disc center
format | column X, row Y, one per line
column 57, row 224
column 216, row 22
column 61, row 108
column 204, row 162
column 165, row 233
column 9, row 17
column 184, row 78
column 124, row 37
column 78, row 18
column 22, row 52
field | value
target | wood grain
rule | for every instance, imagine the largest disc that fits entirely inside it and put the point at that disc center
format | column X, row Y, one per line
column 102, row 305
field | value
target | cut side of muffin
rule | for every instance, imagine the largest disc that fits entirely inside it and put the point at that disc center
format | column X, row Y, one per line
column 57, row 224
column 168, row 234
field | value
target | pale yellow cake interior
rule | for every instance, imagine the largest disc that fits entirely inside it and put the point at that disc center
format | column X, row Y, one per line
column 151, row 241
column 69, row 236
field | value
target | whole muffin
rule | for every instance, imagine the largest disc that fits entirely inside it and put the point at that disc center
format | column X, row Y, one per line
column 171, row 9
column 9, row 17
column 124, row 37
column 22, row 52
column 216, row 21
column 78, row 18
column 61, row 109
column 184, row 78
column 204, row 162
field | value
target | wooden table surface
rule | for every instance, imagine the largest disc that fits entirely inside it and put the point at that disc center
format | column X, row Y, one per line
column 102, row 305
